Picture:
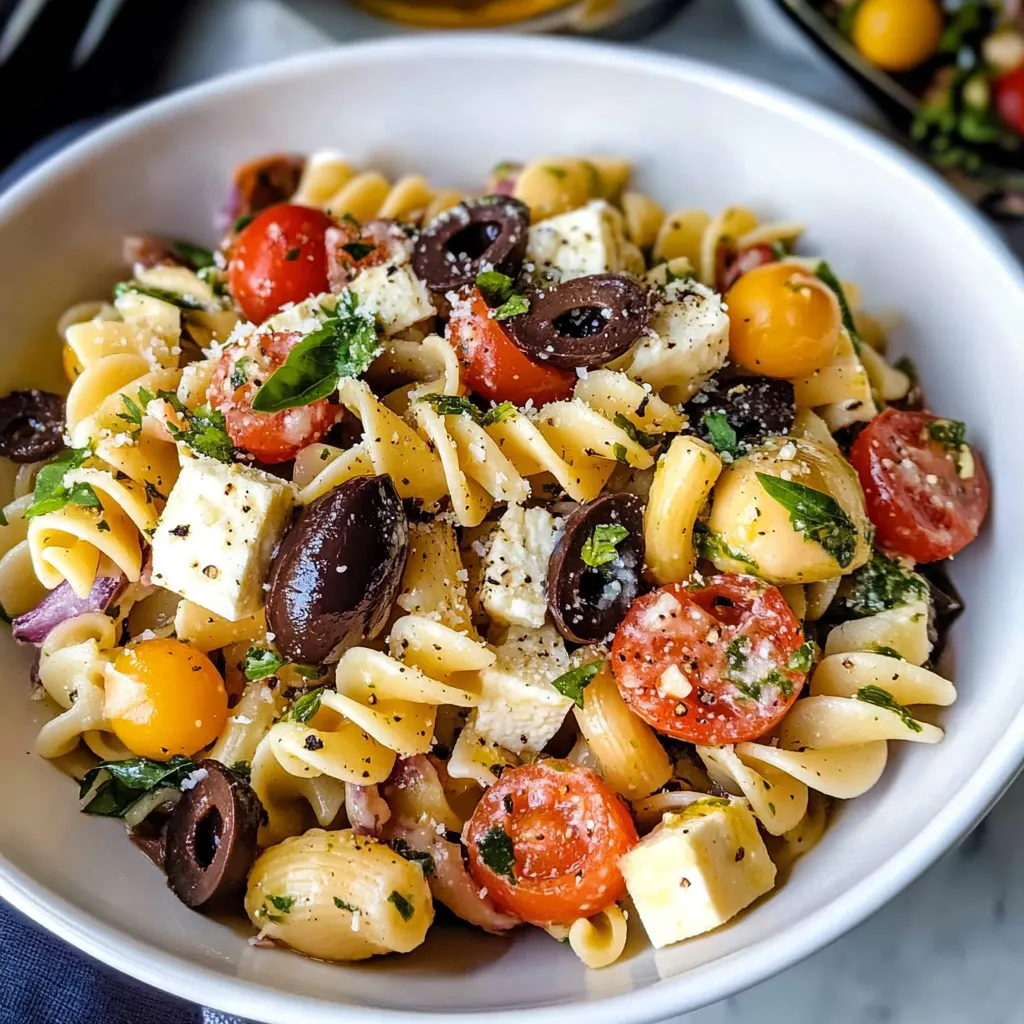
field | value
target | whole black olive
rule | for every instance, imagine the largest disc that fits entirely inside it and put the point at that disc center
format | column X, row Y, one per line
column 31, row 425
column 756, row 407
column 337, row 572
column 588, row 601
column 484, row 234
column 583, row 322
column 210, row 838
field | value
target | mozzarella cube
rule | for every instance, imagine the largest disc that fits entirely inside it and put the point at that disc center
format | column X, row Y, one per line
column 697, row 869
column 686, row 342
column 590, row 240
column 516, row 566
column 519, row 709
column 217, row 535
column 393, row 295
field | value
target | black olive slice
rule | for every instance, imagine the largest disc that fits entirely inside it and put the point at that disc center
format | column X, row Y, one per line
column 210, row 839
column 586, row 602
column 31, row 425
column 756, row 407
column 484, row 234
column 584, row 322
column 337, row 572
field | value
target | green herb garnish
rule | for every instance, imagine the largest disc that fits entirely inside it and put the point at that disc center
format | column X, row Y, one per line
column 402, row 905
column 888, row 652
column 358, row 250
column 802, row 658
column 825, row 274
column 779, row 250
column 451, row 405
column 261, row 663
column 559, row 173
column 600, row 547
column 498, row 853
column 425, row 861
column 571, row 684
column 621, row 455
column 241, row 223
column 884, row 699
column 240, row 372
column 194, row 255
column 736, row 653
column 3, row 518
column 205, row 432
column 112, row 787
column 497, row 414
column 243, row 769
column 817, row 515
column 174, row 298
column 51, row 494
column 499, row 291
column 712, row 547
column 308, row 671
column 305, row 707
column 634, row 433
column 342, row 905
column 721, row 433
column 880, row 585
column 948, row 433
column 133, row 411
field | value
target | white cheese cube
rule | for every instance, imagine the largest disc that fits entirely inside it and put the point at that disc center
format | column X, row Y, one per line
column 590, row 240
column 516, row 567
column 686, row 342
column 217, row 535
column 393, row 295
column 697, row 869
column 519, row 708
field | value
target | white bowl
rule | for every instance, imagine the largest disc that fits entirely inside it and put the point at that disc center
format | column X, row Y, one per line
column 452, row 106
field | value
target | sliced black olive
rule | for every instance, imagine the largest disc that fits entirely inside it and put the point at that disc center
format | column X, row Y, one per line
column 31, row 425
column 484, row 234
column 337, row 572
column 583, row 322
column 210, row 839
column 756, row 407
column 946, row 603
column 586, row 602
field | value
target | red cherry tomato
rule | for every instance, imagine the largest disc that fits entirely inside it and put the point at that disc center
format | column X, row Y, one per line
column 709, row 664
column 270, row 436
column 351, row 248
column 279, row 257
column 1009, row 98
column 494, row 367
column 921, row 505
column 749, row 259
column 545, row 842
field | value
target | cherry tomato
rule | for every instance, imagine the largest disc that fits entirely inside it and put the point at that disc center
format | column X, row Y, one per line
column 494, row 367
column 926, row 494
column 351, row 248
column 545, row 842
column 897, row 34
column 279, row 257
column 1009, row 99
column 163, row 698
column 710, row 664
column 783, row 321
column 743, row 262
column 270, row 436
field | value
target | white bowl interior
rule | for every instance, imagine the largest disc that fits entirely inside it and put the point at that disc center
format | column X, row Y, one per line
column 452, row 108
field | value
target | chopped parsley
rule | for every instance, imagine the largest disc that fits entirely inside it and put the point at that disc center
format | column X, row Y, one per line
column 823, row 272
column 111, row 788
column 261, row 663
column 243, row 222
column 51, row 493
column 499, row 291
column 888, row 652
column 571, row 684
column 308, row 671
column 305, row 707
column 880, row 585
column 205, row 432
column 634, row 433
column 194, row 255
column 402, row 905
column 451, row 405
column 342, row 905
column 123, row 288
column 802, row 658
column 714, row 548
column 243, row 769
column 358, row 250
column 884, row 699
column 621, row 455
column 497, row 414
column 817, row 515
column 282, row 904
column 497, row 852
column 240, row 372
column 948, row 433
column 425, row 861
column 600, row 547
column 133, row 412
column 721, row 433
column 736, row 653
column 292, row 254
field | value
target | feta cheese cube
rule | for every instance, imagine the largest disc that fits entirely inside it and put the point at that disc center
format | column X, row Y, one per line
column 519, row 709
column 217, row 535
column 394, row 295
column 590, row 240
column 697, row 869
column 516, row 566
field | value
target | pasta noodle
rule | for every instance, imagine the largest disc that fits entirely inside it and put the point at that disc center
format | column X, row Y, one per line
column 599, row 940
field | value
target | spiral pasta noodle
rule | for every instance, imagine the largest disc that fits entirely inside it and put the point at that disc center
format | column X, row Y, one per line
column 599, row 940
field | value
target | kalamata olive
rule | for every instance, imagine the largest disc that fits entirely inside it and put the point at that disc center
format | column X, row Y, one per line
column 483, row 234
column 587, row 602
column 755, row 407
column 583, row 322
column 264, row 182
column 210, row 840
column 31, row 425
column 338, row 570
column 946, row 603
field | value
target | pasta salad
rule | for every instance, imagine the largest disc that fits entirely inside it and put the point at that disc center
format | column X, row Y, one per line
column 539, row 554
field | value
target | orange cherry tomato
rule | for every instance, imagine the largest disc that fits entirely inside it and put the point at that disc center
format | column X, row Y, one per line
column 164, row 698
column 926, row 496
column 545, row 842
column 494, row 366
column 279, row 257
column 270, row 436
column 897, row 34
column 710, row 664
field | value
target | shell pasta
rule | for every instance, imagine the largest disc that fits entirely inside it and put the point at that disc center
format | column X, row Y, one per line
column 514, row 551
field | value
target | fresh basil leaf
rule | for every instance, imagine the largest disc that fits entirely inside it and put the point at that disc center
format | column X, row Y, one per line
column 358, row 250
column 174, row 298
column 205, row 432
column 498, row 853
column 721, row 433
column 600, row 547
column 825, row 274
column 497, row 414
column 344, row 346
column 261, row 663
column 712, row 547
column 133, row 411
column 802, row 658
column 881, row 585
column 495, row 286
column 308, row 671
column 425, row 861
column 571, row 684
column 50, row 492
column 114, row 786
column 621, row 455
column 451, row 405
column 817, row 515
column 305, row 707
column 884, row 699
column 634, row 432
column 402, row 904
column 194, row 255
column 514, row 305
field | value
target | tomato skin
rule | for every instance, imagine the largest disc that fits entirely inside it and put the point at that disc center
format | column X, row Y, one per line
column 696, row 629
column 279, row 257
column 494, row 367
column 894, row 458
column 1009, row 99
column 568, row 829
column 270, row 436
column 743, row 262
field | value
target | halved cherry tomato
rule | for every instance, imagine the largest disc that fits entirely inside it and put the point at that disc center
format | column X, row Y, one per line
column 1009, row 99
column 710, row 664
column 545, row 842
column 926, row 495
column 494, row 367
column 279, row 257
column 351, row 248
column 270, row 436
column 742, row 262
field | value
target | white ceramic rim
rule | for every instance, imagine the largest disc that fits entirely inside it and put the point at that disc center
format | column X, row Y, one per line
column 663, row 999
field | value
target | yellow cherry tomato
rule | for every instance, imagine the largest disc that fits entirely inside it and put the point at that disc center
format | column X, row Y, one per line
column 72, row 367
column 783, row 322
column 164, row 698
column 897, row 34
